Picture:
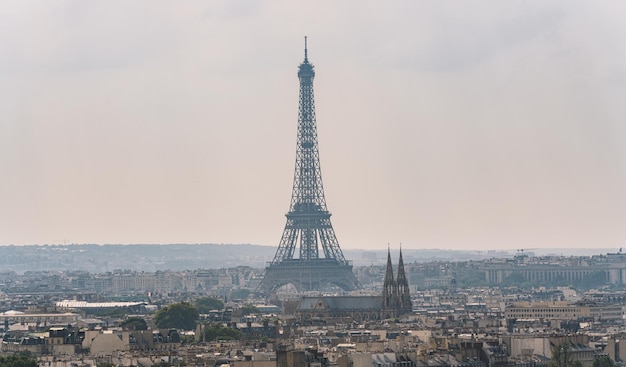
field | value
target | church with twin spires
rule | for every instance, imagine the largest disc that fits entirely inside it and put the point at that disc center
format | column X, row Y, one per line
column 394, row 302
column 397, row 297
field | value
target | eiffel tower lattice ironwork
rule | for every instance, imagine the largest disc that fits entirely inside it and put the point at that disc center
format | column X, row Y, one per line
column 308, row 220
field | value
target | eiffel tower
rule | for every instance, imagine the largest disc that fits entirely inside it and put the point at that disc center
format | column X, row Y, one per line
column 308, row 221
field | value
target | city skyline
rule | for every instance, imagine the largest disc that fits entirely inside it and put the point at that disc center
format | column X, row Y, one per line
column 482, row 125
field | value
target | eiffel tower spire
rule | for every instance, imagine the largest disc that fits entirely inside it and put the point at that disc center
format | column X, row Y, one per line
column 308, row 226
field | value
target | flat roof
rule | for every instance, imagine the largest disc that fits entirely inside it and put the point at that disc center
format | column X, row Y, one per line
column 84, row 304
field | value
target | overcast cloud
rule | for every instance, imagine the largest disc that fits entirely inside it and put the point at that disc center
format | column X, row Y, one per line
column 447, row 124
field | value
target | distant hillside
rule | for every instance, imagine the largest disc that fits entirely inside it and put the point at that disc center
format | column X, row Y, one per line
column 150, row 258
column 102, row 258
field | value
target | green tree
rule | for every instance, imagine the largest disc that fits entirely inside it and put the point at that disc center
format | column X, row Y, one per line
column 603, row 361
column 178, row 316
column 23, row 359
column 134, row 323
column 248, row 309
column 514, row 279
column 562, row 356
column 471, row 278
column 207, row 304
column 220, row 332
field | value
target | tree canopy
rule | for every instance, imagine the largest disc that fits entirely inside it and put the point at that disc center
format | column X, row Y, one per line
column 178, row 316
column 562, row 356
column 134, row 323
column 248, row 309
column 220, row 332
column 603, row 361
column 207, row 304
column 18, row 360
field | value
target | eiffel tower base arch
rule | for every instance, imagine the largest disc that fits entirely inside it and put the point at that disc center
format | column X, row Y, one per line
column 308, row 275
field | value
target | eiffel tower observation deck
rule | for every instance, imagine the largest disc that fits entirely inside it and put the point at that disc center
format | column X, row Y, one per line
column 308, row 226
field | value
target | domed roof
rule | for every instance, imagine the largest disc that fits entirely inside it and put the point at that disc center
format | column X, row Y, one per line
column 12, row 313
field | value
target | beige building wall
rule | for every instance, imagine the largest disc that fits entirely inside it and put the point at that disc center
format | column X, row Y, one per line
column 546, row 310
column 41, row 318
column 527, row 346
column 374, row 347
column 355, row 360
column 521, row 345
column 254, row 364
column 616, row 349
column 108, row 344
column 422, row 335
column 16, row 348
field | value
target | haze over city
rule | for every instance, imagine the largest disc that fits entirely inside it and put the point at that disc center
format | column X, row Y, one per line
column 452, row 125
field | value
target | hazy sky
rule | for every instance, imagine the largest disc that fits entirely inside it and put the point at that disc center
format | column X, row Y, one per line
column 442, row 124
